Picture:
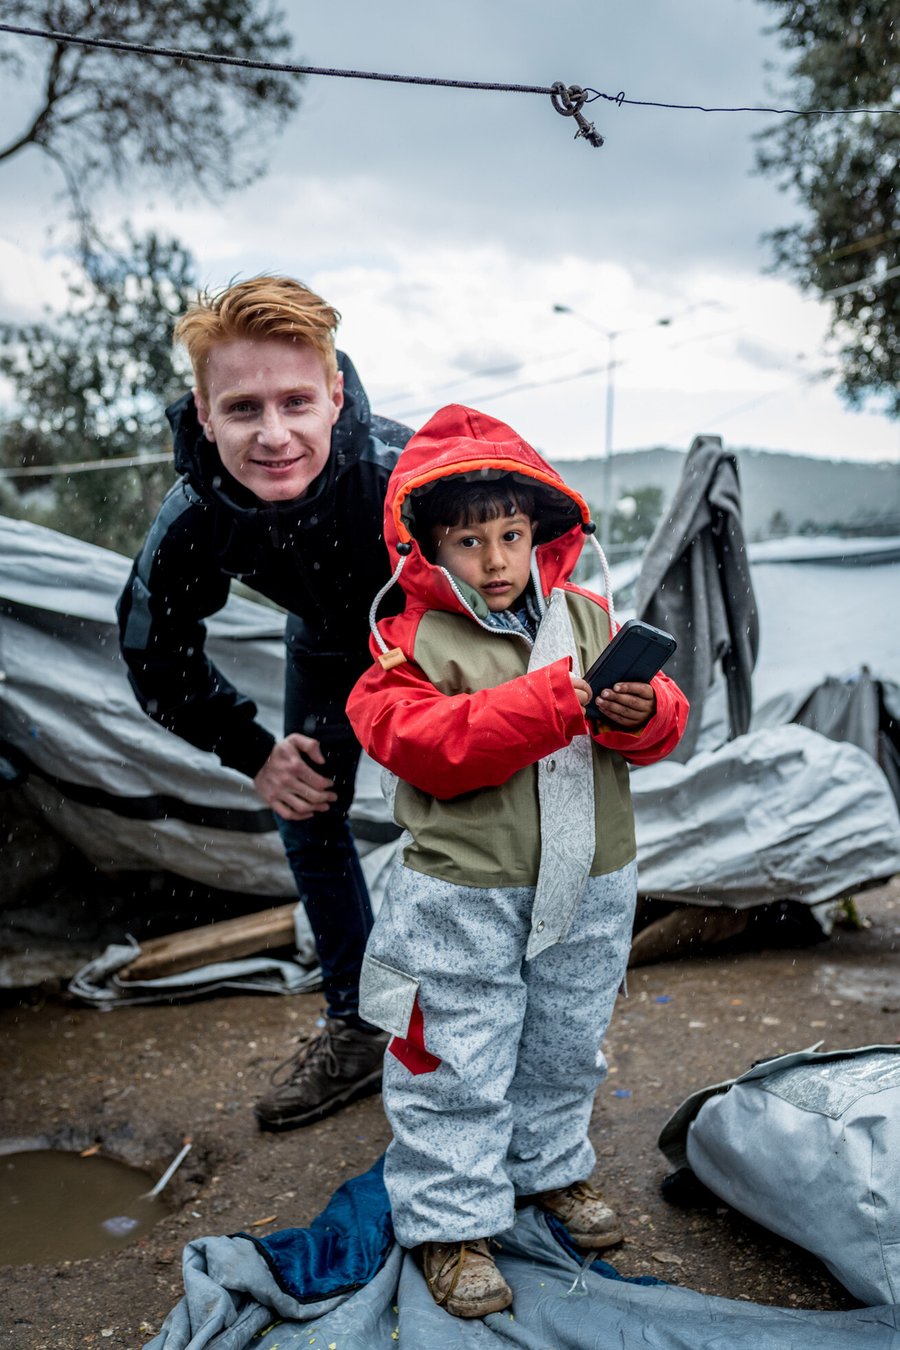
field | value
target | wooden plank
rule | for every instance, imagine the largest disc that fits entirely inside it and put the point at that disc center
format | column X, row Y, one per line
column 228, row 940
column 685, row 931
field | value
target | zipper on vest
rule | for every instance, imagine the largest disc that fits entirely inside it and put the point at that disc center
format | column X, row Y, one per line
column 521, row 631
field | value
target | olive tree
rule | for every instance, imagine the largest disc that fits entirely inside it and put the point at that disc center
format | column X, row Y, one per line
column 90, row 380
column 102, row 114
column 90, row 384
column 844, row 171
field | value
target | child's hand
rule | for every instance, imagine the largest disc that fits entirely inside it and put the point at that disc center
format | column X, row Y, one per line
column 628, row 704
column 583, row 691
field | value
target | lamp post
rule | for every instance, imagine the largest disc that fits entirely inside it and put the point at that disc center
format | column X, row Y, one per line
column 611, row 334
column 606, row 518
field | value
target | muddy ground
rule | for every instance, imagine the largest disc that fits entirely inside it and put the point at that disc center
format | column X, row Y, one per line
column 138, row 1081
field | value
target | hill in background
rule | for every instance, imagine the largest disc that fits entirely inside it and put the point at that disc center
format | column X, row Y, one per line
column 781, row 493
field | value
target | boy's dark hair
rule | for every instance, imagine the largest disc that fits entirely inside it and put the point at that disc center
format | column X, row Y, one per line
column 462, row 501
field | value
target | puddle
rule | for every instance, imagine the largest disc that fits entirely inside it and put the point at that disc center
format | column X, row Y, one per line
column 876, row 985
column 58, row 1206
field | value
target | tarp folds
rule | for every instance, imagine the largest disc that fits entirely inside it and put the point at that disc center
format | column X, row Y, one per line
column 98, row 982
column 779, row 814
column 695, row 583
column 858, row 709
column 809, row 1146
column 783, row 813
column 343, row 1283
column 726, row 828
column 125, row 792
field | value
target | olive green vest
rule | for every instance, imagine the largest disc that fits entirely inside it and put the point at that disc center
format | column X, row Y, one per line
column 491, row 837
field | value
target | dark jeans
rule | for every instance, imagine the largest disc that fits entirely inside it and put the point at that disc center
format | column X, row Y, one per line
column 321, row 850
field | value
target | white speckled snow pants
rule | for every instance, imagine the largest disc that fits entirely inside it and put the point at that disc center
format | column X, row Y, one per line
column 506, row 1110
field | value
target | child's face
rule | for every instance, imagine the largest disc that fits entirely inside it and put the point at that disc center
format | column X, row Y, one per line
column 494, row 557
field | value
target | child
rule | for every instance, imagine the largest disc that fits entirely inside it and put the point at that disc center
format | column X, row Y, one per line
column 505, row 931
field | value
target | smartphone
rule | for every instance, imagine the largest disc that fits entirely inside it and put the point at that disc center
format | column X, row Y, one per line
column 636, row 653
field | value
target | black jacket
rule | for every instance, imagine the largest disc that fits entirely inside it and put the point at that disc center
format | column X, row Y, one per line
column 322, row 558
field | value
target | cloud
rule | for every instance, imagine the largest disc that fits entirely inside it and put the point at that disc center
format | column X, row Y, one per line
column 446, row 224
column 491, row 364
column 30, row 282
column 764, row 356
column 667, row 189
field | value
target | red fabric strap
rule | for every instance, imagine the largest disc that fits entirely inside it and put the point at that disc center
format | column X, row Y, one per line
column 410, row 1049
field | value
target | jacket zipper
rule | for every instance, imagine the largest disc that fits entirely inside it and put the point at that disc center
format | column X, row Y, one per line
column 498, row 632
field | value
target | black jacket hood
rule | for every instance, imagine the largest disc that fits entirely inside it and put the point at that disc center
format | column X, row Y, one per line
column 198, row 459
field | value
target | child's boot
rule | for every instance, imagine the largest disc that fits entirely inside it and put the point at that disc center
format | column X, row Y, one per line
column 589, row 1221
column 463, row 1279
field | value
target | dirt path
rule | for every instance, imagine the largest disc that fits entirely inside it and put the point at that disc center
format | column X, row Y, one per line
column 138, row 1081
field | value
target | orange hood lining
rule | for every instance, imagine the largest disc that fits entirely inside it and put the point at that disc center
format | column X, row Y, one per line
column 477, row 466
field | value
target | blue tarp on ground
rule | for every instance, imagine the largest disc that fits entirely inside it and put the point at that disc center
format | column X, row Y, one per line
column 344, row 1284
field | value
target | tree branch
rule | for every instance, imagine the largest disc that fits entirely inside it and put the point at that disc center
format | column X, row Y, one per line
column 51, row 94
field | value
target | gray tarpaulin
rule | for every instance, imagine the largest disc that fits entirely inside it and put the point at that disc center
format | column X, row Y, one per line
column 233, row 1302
column 858, row 709
column 809, row 1146
column 123, row 790
column 778, row 814
column 783, row 813
column 695, row 583
column 769, row 816
column 98, row 982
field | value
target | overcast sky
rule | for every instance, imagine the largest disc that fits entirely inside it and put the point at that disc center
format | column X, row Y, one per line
column 446, row 224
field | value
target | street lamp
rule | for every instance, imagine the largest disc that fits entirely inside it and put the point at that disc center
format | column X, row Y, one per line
column 606, row 512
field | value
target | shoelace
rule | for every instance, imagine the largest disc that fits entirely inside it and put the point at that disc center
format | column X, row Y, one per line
column 311, row 1046
column 431, row 1280
column 577, row 1191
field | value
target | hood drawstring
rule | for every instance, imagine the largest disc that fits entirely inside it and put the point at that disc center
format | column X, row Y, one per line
column 535, row 575
column 373, row 610
column 607, row 584
column 590, row 531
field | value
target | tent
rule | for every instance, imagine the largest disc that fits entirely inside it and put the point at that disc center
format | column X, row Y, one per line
column 123, row 790
column 782, row 812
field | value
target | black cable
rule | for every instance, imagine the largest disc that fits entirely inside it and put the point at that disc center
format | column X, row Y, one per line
column 285, row 68
column 700, row 107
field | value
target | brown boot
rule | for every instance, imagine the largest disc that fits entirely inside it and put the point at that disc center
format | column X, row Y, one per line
column 330, row 1070
column 462, row 1278
column 589, row 1221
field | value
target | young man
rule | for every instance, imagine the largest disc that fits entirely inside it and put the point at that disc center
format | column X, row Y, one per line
column 283, row 475
column 505, row 930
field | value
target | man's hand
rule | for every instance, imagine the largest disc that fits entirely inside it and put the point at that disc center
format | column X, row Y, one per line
column 628, row 704
column 288, row 784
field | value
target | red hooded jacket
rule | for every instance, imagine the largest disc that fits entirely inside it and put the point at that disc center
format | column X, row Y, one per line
column 447, row 744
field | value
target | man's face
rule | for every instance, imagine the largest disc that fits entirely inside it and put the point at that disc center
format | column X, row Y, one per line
column 494, row 558
column 269, row 409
